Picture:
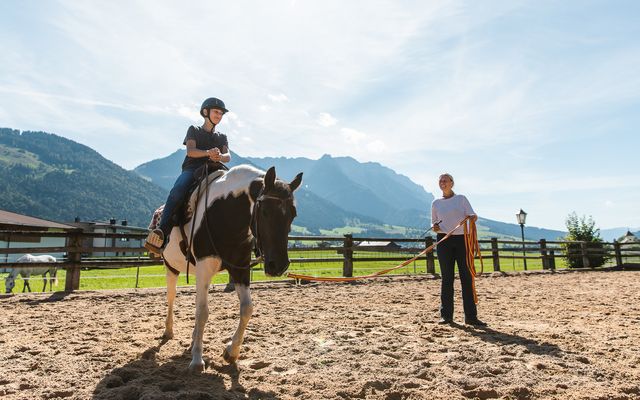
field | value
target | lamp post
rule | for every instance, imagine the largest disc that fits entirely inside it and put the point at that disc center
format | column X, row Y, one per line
column 522, row 217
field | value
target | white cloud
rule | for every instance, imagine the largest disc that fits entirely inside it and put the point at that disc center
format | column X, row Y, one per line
column 352, row 136
column 326, row 120
column 377, row 146
column 278, row 98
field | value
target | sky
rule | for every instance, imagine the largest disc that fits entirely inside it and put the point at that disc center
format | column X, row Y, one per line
column 530, row 105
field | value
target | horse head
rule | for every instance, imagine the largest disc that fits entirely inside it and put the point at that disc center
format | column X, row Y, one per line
column 9, row 283
column 273, row 213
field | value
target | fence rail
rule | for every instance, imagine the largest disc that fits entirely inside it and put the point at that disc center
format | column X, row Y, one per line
column 349, row 250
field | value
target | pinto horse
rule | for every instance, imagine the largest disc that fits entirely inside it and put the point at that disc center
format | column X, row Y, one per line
column 243, row 205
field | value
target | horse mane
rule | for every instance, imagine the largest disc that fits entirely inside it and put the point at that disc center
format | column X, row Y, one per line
column 234, row 182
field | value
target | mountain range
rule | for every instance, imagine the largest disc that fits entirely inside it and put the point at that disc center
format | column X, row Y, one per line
column 340, row 191
column 48, row 176
column 336, row 191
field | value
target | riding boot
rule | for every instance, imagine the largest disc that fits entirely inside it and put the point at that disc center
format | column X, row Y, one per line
column 155, row 242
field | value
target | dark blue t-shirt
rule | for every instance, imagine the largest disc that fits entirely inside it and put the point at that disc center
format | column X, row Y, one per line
column 204, row 141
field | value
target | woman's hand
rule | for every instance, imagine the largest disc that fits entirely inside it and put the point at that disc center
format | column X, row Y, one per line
column 436, row 228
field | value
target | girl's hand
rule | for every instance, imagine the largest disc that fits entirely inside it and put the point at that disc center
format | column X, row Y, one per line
column 436, row 228
column 214, row 154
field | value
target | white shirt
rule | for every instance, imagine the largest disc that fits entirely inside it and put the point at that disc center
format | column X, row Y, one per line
column 450, row 212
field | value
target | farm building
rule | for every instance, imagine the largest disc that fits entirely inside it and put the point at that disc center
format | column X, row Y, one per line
column 10, row 221
column 629, row 238
column 110, row 227
column 377, row 246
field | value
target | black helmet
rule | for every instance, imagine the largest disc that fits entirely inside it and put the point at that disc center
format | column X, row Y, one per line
column 212, row 102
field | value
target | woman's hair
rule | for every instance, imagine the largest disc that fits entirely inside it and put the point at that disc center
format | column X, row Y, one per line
column 448, row 176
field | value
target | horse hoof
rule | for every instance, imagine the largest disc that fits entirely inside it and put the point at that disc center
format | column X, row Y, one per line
column 227, row 357
column 167, row 335
column 196, row 367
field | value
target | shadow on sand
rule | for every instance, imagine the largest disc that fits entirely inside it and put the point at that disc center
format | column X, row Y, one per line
column 145, row 378
column 493, row 336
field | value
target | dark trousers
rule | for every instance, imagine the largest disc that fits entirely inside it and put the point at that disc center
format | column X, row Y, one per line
column 453, row 251
column 177, row 194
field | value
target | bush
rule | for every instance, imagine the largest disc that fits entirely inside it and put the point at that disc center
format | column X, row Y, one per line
column 583, row 229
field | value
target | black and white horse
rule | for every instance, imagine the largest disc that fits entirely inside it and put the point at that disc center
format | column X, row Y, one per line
column 26, row 273
column 242, row 204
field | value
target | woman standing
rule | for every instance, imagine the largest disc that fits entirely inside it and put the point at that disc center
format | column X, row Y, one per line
column 446, row 213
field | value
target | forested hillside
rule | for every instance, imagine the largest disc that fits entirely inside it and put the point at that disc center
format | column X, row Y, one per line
column 48, row 176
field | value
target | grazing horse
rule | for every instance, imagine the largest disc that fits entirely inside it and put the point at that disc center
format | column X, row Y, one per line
column 242, row 205
column 26, row 273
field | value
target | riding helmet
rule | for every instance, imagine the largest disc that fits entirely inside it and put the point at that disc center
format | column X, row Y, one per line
column 212, row 102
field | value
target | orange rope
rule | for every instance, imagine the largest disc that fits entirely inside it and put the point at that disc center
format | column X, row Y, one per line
column 473, row 249
column 379, row 273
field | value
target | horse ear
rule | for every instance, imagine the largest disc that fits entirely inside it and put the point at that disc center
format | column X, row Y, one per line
column 296, row 182
column 269, row 178
column 255, row 188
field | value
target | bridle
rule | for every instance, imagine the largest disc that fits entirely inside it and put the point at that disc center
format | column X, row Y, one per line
column 255, row 217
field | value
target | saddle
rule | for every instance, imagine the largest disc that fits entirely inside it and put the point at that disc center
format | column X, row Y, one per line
column 184, row 211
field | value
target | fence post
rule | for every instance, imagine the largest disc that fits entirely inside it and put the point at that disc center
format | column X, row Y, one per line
column 495, row 253
column 347, row 265
column 431, row 262
column 618, row 252
column 552, row 260
column 74, row 258
column 585, row 256
column 543, row 253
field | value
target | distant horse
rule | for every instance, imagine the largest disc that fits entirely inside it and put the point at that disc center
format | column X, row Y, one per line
column 26, row 273
column 242, row 205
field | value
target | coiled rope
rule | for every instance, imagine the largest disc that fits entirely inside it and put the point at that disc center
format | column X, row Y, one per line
column 471, row 237
column 473, row 249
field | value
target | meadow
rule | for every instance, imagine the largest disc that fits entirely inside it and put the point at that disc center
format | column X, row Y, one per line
column 154, row 276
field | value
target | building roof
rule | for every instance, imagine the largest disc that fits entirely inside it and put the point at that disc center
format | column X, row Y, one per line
column 368, row 243
column 13, row 221
column 629, row 238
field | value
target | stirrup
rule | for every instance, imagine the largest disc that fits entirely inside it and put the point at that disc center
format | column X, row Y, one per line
column 155, row 242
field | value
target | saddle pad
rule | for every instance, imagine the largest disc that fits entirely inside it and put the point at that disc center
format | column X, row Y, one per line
column 192, row 199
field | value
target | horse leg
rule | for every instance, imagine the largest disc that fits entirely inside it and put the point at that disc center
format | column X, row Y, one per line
column 25, row 284
column 44, row 279
column 232, row 351
column 172, row 283
column 203, row 279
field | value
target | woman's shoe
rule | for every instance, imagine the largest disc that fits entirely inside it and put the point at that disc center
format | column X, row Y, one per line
column 474, row 322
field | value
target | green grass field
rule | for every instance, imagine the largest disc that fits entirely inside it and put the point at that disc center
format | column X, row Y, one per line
column 154, row 276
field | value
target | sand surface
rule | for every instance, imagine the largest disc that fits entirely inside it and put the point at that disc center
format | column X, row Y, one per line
column 550, row 336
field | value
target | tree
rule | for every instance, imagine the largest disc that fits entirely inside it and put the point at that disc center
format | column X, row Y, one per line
column 583, row 230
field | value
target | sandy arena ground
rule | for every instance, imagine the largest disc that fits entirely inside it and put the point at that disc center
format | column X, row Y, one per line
column 551, row 336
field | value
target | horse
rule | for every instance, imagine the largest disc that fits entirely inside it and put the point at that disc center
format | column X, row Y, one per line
column 26, row 273
column 242, row 206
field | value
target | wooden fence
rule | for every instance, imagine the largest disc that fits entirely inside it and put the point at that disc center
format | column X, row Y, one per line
column 342, row 249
